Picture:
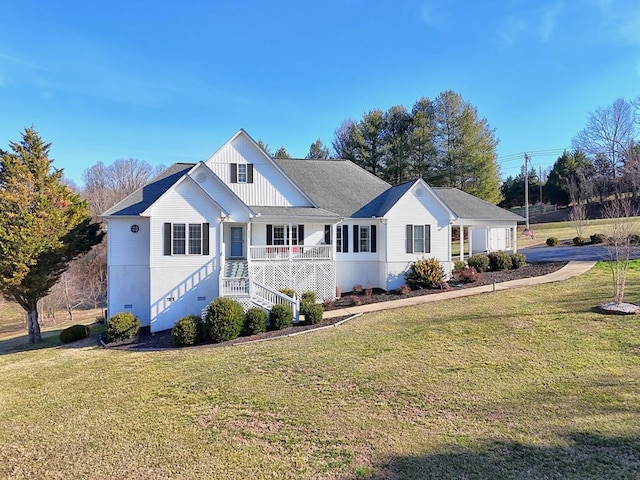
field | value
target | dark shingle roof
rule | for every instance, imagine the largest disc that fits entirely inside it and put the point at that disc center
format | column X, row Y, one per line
column 293, row 212
column 338, row 186
column 145, row 196
column 380, row 205
column 466, row 206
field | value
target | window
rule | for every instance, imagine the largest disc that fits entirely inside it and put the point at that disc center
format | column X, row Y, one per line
column 186, row 239
column 195, row 239
column 178, row 239
column 279, row 234
column 364, row 238
column 339, row 239
column 418, row 238
column 242, row 173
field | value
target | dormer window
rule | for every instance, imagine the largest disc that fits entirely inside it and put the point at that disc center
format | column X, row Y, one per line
column 241, row 173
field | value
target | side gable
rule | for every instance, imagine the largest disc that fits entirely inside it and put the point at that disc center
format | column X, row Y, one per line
column 147, row 195
column 266, row 185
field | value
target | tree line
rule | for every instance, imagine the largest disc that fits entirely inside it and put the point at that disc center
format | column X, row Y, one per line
column 604, row 162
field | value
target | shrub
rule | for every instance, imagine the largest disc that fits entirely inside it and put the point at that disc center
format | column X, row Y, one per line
column 308, row 297
column 552, row 241
column 328, row 303
column 74, row 332
column 224, row 320
column 313, row 313
column 404, row 289
column 579, row 241
column 499, row 261
column 121, row 327
column 458, row 265
column 188, row 331
column 280, row 316
column 468, row 275
column 598, row 238
column 255, row 321
column 289, row 292
column 357, row 288
column 479, row 261
column 518, row 260
column 368, row 292
column 424, row 273
column 355, row 300
column 634, row 239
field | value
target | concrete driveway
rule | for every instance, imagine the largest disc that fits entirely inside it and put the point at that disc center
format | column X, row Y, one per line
column 563, row 253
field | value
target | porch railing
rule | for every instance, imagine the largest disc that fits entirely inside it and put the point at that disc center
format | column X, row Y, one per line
column 234, row 287
column 272, row 297
column 290, row 252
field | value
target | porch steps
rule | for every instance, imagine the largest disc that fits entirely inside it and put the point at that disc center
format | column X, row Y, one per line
column 236, row 269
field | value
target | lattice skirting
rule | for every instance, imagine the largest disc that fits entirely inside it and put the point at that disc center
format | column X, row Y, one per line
column 319, row 277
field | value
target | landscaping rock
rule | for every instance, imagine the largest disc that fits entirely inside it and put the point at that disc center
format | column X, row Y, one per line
column 613, row 308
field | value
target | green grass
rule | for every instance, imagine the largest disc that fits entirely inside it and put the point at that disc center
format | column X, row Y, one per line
column 527, row 383
column 565, row 230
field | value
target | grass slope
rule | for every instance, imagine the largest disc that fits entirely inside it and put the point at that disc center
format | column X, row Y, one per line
column 527, row 383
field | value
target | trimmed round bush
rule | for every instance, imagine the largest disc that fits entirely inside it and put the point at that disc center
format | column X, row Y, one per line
column 598, row 238
column 74, row 333
column 424, row 273
column 499, row 261
column 280, row 316
column 458, row 265
column 188, row 331
column 289, row 292
column 255, row 321
column 312, row 313
column 552, row 241
column 479, row 261
column 224, row 320
column 308, row 297
column 634, row 239
column 579, row 241
column 121, row 327
column 518, row 260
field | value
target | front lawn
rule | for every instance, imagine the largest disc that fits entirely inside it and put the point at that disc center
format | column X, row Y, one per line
column 527, row 383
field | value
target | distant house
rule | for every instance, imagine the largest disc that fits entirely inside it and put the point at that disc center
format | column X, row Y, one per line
column 245, row 225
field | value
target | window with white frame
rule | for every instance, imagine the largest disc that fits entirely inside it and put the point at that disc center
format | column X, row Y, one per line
column 339, row 238
column 281, row 235
column 418, row 238
column 365, row 238
column 186, row 239
column 242, row 173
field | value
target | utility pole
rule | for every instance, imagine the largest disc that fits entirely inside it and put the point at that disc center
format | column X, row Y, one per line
column 540, row 183
column 526, row 191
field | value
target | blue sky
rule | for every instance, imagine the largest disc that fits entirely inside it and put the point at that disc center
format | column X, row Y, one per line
column 172, row 81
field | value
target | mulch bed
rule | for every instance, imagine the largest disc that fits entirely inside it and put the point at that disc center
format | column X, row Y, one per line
column 163, row 340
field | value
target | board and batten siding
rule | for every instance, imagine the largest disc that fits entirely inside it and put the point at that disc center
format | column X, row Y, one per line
column 128, row 270
column 222, row 195
column 270, row 186
column 182, row 284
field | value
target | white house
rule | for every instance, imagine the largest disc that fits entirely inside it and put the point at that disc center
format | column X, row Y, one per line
column 245, row 225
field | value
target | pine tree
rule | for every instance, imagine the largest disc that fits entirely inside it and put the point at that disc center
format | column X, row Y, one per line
column 43, row 225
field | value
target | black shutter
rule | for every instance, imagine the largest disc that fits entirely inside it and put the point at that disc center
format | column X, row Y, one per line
column 409, row 239
column 356, row 237
column 427, row 239
column 300, row 234
column 345, row 239
column 269, row 234
column 234, row 173
column 167, row 239
column 205, row 239
column 374, row 239
column 327, row 234
column 249, row 172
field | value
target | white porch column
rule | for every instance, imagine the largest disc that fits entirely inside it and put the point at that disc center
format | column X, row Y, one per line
column 470, row 243
column 248, row 242
column 461, row 243
column 290, row 242
column 515, row 239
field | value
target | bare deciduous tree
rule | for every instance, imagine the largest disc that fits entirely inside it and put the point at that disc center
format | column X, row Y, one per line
column 621, row 246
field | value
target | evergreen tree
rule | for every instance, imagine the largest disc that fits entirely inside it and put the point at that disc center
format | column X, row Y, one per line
column 318, row 150
column 423, row 149
column 397, row 137
column 43, row 226
column 571, row 173
column 281, row 153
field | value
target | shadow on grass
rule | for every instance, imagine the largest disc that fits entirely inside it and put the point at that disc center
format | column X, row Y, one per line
column 50, row 339
column 582, row 456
